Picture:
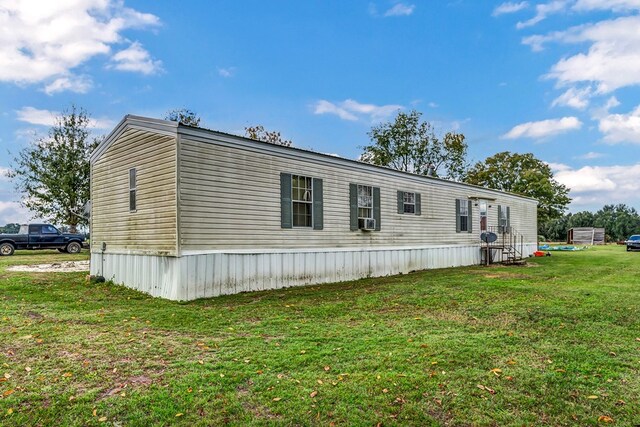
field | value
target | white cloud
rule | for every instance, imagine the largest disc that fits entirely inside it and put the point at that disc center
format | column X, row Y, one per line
column 611, row 62
column 38, row 117
column 400, row 9
column 227, row 72
column 78, row 84
column 618, row 128
column 574, row 97
column 543, row 11
column 433, row 105
column 136, row 59
column 510, row 7
column 591, row 155
column 558, row 167
column 12, row 212
column 353, row 110
column 3, row 173
column 615, row 5
column 595, row 185
column 544, row 128
column 44, row 41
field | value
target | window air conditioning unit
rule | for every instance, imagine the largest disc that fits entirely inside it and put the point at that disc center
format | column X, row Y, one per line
column 368, row 224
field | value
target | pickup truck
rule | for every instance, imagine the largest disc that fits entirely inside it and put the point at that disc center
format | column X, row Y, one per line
column 41, row 236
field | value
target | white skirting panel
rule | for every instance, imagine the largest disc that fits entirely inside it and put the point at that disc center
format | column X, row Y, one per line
column 220, row 273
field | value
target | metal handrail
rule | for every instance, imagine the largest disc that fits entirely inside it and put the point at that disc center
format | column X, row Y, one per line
column 509, row 242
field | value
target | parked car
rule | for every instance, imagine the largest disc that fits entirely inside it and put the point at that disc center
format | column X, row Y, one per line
column 41, row 236
column 633, row 242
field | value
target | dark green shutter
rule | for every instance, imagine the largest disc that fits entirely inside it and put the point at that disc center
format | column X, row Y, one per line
column 286, row 220
column 400, row 202
column 418, row 204
column 353, row 204
column 376, row 206
column 470, row 218
column 457, row 215
column 317, row 204
column 499, row 219
column 508, row 217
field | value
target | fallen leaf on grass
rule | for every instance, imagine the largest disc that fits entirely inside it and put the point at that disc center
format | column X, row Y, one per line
column 95, row 412
column 28, row 369
column 277, row 399
column 496, row 371
column 313, row 394
column 9, row 411
column 8, row 393
column 67, row 374
column 327, row 368
column 593, row 396
column 7, row 375
column 620, row 402
column 605, row 419
column 179, row 414
column 102, row 419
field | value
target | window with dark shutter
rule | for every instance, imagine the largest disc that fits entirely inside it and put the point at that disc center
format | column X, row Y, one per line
column 463, row 216
column 301, row 201
column 409, row 203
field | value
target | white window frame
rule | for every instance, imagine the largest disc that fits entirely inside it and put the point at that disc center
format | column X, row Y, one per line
column 407, row 204
column 367, row 199
column 464, row 213
column 294, row 200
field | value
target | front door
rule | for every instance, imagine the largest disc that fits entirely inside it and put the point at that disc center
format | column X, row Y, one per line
column 484, row 212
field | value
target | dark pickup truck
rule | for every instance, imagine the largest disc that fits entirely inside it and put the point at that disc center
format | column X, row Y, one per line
column 41, row 236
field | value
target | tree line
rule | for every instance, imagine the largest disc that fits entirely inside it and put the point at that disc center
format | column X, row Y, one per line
column 52, row 174
column 619, row 222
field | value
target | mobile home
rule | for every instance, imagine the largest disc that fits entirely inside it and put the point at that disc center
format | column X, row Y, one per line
column 184, row 213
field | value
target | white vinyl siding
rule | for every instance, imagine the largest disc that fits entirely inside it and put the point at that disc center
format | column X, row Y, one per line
column 152, row 229
column 213, row 172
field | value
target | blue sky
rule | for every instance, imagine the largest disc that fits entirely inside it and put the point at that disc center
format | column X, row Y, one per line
column 556, row 78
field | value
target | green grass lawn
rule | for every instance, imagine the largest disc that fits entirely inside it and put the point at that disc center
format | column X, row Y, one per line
column 554, row 343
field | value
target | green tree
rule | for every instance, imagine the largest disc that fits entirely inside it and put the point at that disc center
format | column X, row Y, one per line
column 410, row 145
column 555, row 230
column 259, row 133
column 525, row 175
column 53, row 172
column 183, row 116
column 619, row 221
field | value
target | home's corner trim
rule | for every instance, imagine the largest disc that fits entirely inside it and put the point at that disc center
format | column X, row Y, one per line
column 178, row 198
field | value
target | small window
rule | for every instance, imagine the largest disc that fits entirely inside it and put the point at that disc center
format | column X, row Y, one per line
column 365, row 202
column 464, row 215
column 302, row 200
column 132, row 190
column 34, row 229
column 409, row 202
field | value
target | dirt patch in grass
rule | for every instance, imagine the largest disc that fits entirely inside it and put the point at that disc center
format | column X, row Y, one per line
column 56, row 267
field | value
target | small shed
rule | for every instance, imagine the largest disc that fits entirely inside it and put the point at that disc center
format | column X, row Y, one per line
column 586, row 236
